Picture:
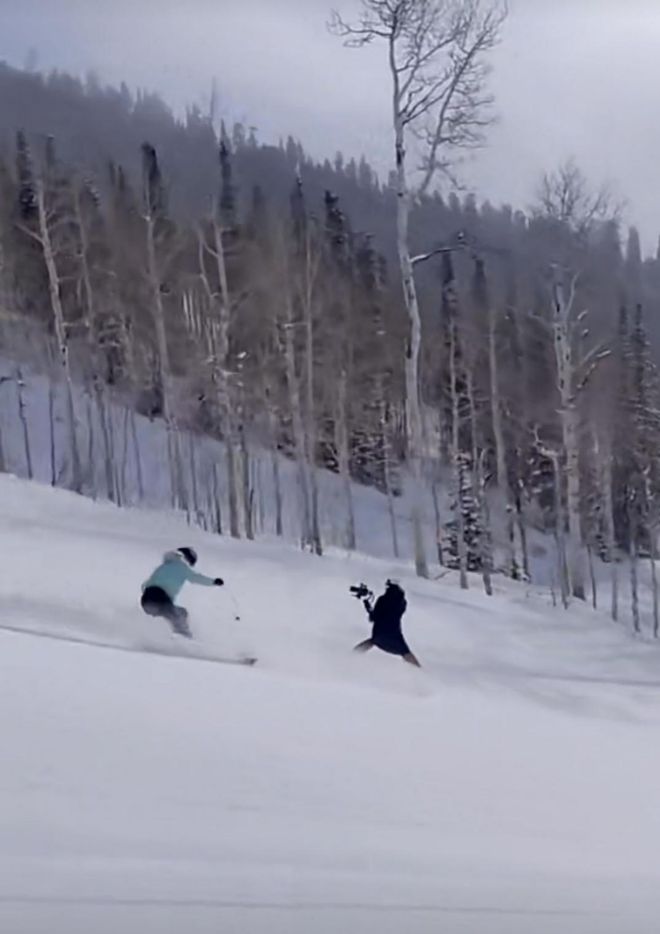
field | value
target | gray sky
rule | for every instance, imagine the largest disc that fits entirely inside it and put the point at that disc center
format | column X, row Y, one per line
column 572, row 78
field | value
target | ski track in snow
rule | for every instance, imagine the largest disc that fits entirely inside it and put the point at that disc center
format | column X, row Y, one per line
column 510, row 787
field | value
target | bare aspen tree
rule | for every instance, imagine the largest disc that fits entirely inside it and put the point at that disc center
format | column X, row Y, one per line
column 310, row 416
column 633, row 513
column 500, row 442
column 52, row 434
column 22, row 417
column 224, row 309
column 137, row 454
column 223, row 303
column 274, row 455
column 216, row 499
column 218, row 355
column 297, row 422
column 305, row 267
column 485, row 535
column 436, row 54
column 192, row 461
column 573, row 372
column 246, row 484
column 553, row 456
column 438, row 520
column 653, row 561
column 285, row 327
column 3, row 458
column 565, row 197
column 387, row 468
column 47, row 218
column 603, row 458
column 343, row 455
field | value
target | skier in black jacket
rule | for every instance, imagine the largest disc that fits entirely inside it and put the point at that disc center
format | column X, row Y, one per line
column 386, row 617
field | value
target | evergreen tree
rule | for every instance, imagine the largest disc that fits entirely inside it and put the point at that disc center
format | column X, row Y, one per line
column 227, row 204
column 27, row 198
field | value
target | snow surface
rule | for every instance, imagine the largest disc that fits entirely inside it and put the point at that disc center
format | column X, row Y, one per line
column 511, row 786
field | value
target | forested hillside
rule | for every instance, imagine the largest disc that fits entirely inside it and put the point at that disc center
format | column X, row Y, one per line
column 227, row 287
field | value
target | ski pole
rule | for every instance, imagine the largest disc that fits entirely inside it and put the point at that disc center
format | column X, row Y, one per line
column 233, row 599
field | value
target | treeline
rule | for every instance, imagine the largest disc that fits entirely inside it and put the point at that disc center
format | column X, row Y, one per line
column 238, row 290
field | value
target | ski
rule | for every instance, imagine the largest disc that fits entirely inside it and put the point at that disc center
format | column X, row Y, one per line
column 199, row 656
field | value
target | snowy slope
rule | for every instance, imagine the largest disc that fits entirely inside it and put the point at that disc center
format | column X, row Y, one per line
column 509, row 787
column 372, row 521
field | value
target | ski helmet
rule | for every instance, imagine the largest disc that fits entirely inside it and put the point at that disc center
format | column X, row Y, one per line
column 189, row 555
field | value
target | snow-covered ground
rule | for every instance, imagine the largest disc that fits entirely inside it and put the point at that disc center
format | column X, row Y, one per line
column 511, row 786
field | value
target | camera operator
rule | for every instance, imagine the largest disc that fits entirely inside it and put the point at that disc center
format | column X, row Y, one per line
column 386, row 615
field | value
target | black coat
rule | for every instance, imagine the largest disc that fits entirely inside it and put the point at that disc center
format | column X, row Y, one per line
column 386, row 617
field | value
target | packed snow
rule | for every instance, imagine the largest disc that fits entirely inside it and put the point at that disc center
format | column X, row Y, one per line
column 509, row 786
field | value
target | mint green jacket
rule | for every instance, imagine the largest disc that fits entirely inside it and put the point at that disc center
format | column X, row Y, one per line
column 173, row 573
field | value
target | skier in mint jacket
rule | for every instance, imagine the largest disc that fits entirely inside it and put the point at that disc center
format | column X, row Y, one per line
column 160, row 591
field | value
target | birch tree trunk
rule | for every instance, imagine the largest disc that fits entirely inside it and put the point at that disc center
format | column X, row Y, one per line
column 51, row 429
column 22, row 417
column 634, row 585
column 298, row 432
column 438, row 522
column 275, row 463
column 60, row 335
column 387, row 472
column 310, row 418
column 414, row 428
column 343, row 457
column 221, row 378
column 485, row 536
column 500, row 443
column 138, row 455
column 608, row 514
column 123, row 466
column 654, row 580
column 522, row 529
column 192, row 460
column 217, row 515
column 592, row 578
column 248, row 491
column 91, row 467
column 569, row 419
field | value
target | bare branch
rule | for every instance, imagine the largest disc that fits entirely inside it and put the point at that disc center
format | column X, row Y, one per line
column 30, row 233
column 436, row 58
column 588, row 366
column 565, row 196
column 422, row 257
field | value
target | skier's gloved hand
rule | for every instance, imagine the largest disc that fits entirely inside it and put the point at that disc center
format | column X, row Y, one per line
column 219, row 582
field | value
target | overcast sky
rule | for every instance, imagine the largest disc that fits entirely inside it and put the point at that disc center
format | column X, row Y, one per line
column 572, row 78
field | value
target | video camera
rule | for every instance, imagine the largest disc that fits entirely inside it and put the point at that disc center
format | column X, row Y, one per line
column 362, row 592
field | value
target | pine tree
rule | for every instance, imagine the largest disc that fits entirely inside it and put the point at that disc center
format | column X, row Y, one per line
column 227, row 204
